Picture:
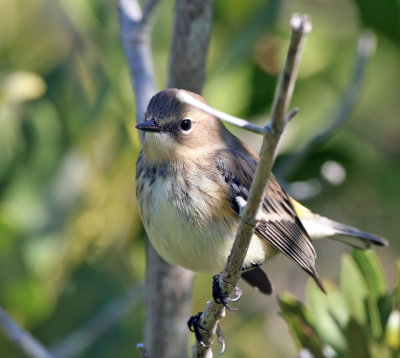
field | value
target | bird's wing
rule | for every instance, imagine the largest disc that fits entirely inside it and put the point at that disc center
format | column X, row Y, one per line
column 280, row 225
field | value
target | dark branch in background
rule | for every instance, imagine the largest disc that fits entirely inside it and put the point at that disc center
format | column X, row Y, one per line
column 77, row 342
column 21, row 338
column 169, row 295
column 229, row 277
column 365, row 48
column 169, row 289
column 189, row 47
column 166, row 299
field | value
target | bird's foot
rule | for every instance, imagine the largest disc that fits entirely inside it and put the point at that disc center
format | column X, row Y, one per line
column 221, row 297
column 195, row 326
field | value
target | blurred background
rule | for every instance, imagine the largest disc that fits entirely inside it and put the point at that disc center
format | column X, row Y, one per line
column 71, row 240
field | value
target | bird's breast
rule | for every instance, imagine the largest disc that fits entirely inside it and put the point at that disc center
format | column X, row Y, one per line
column 187, row 220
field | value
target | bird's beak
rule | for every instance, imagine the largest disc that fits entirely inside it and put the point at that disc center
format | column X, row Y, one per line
column 149, row 126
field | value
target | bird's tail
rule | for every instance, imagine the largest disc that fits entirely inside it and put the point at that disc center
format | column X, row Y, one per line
column 318, row 226
column 349, row 234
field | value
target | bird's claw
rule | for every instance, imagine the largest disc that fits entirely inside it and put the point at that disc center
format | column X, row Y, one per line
column 195, row 326
column 223, row 298
column 221, row 339
column 238, row 294
column 194, row 322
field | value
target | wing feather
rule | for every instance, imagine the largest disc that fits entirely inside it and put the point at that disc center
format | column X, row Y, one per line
column 280, row 226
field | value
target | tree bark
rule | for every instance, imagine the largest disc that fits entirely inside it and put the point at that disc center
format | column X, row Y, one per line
column 169, row 288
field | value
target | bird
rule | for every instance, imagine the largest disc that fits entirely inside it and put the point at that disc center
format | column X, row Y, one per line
column 190, row 174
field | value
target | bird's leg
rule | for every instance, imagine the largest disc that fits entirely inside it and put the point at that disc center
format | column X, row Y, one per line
column 194, row 322
column 221, row 297
column 195, row 326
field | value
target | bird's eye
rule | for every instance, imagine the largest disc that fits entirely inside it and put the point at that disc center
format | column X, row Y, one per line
column 186, row 125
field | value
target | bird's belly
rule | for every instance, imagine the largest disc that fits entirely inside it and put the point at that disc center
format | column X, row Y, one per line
column 198, row 245
column 181, row 241
column 179, row 244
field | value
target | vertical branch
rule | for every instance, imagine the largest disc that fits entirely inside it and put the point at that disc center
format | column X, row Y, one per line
column 189, row 47
column 168, row 288
column 190, row 40
column 168, row 305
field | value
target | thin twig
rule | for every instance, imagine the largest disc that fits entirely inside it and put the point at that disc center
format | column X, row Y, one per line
column 229, row 277
column 238, row 122
column 77, row 342
column 135, row 34
column 185, row 97
column 365, row 48
column 131, row 9
column 22, row 338
column 291, row 115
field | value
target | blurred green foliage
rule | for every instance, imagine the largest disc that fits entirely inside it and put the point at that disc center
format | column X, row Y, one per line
column 358, row 319
column 70, row 235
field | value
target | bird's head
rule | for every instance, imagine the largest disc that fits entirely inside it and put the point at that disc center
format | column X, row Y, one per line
column 176, row 131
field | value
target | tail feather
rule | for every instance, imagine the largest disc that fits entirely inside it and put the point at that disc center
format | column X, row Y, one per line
column 350, row 235
column 355, row 237
column 257, row 278
column 318, row 226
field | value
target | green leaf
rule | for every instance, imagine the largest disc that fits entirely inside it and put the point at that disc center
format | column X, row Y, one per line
column 357, row 340
column 385, row 306
column 372, row 271
column 298, row 318
column 397, row 290
column 331, row 312
column 374, row 277
column 354, row 288
column 374, row 318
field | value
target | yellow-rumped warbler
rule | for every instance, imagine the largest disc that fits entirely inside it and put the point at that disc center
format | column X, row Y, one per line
column 189, row 174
